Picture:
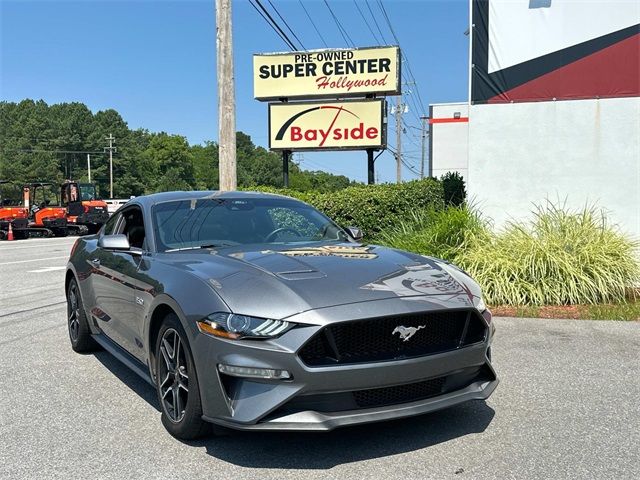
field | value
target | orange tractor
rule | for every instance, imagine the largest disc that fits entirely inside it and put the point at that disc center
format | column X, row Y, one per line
column 45, row 210
column 12, row 211
column 84, row 208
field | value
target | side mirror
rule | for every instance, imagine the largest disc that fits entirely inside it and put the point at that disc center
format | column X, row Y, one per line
column 114, row 242
column 355, row 233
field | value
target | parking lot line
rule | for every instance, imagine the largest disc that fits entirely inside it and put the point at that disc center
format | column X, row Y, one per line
column 33, row 260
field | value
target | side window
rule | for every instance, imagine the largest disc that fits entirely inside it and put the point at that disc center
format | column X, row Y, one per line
column 133, row 227
column 111, row 224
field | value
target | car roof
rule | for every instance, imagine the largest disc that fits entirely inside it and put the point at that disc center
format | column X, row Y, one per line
column 149, row 200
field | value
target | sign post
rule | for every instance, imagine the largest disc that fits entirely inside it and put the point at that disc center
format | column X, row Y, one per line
column 370, row 167
column 285, row 168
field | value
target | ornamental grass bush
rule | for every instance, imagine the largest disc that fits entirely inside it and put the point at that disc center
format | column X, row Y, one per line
column 440, row 233
column 560, row 257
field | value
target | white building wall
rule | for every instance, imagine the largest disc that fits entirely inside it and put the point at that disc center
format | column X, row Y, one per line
column 584, row 151
column 449, row 141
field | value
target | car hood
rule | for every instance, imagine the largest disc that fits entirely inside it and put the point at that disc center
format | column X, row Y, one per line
column 283, row 281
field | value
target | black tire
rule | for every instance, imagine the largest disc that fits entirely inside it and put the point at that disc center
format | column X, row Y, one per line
column 182, row 410
column 79, row 333
column 60, row 232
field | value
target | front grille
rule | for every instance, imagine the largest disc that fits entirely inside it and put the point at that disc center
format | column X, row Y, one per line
column 378, row 397
column 374, row 340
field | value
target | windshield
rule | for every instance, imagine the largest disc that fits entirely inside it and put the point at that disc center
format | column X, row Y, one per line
column 87, row 191
column 226, row 222
column 44, row 195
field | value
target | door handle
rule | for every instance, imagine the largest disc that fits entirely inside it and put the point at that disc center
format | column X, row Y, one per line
column 95, row 262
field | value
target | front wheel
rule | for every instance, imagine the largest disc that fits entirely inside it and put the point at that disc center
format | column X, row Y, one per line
column 177, row 383
column 79, row 333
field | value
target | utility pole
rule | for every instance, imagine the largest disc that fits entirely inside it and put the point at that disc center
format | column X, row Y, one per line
column 226, row 97
column 399, row 109
column 89, row 166
column 424, row 137
column 111, row 149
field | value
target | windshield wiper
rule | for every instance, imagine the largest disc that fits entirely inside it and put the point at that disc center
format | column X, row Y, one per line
column 198, row 247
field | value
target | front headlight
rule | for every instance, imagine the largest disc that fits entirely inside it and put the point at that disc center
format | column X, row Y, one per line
column 481, row 306
column 234, row 326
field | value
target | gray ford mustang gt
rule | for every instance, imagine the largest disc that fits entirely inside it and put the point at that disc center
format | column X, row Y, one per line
column 257, row 312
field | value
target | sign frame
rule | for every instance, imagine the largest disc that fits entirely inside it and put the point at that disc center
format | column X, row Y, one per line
column 383, row 127
column 395, row 89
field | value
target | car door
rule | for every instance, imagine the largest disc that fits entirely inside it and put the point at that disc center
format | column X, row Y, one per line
column 114, row 284
column 131, row 324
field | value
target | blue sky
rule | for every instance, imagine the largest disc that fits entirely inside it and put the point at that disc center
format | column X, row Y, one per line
column 154, row 61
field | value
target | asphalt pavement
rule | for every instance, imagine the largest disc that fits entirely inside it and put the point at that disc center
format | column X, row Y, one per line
column 568, row 406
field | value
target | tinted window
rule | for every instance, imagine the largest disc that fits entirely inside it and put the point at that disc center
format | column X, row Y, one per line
column 133, row 227
column 87, row 191
column 110, row 225
column 225, row 222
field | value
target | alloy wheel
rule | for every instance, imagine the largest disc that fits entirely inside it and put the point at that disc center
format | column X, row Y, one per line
column 172, row 370
column 73, row 312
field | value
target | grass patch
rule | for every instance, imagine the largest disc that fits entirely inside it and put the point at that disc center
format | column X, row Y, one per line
column 619, row 311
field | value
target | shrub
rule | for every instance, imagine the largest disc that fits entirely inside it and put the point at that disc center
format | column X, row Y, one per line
column 453, row 186
column 560, row 257
column 373, row 208
column 440, row 233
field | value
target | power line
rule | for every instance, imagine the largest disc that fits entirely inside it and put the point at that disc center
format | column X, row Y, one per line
column 30, row 150
column 272, row 23
column 410, row 95
column 367, row 23
column 343, row 32
column 416, row 83
column 286, row 24
column 384, row 12
column 313, row 23
column 375, row 21
column 404, row 57
column 410, row 167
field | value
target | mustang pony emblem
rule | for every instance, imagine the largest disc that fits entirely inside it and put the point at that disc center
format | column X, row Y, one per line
column 406, row 332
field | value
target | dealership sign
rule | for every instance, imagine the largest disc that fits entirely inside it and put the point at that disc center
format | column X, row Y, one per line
column 352, row 125
column 327, row 73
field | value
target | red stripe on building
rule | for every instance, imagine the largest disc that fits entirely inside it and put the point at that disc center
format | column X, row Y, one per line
column 611, row 72
column 448, row 120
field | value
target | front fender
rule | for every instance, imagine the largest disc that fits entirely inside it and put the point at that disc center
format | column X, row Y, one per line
column 190, row 297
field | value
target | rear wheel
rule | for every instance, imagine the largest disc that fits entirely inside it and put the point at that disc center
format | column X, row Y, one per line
column 79, row 333
column 177, row 383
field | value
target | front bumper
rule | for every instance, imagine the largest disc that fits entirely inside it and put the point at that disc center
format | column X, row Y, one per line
column 309, row 420
column 320, row 398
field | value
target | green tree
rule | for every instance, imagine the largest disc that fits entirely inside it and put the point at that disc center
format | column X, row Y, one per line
column 205, row 165
column 50, row 142
column 171, row 161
